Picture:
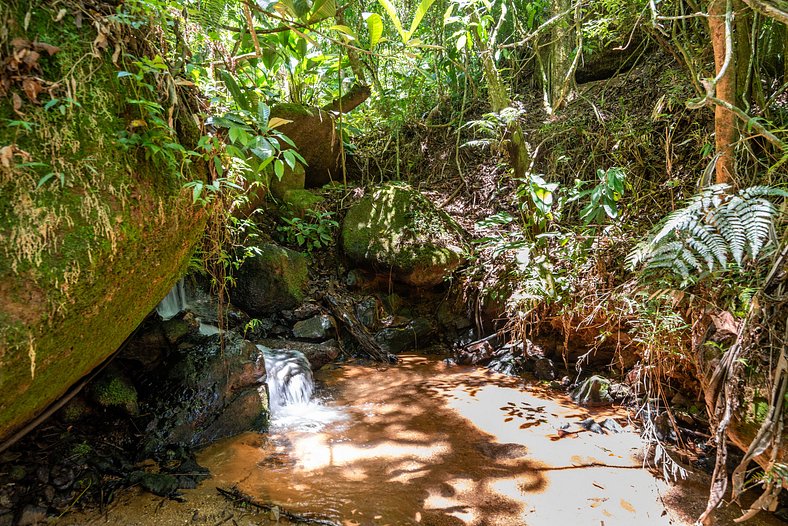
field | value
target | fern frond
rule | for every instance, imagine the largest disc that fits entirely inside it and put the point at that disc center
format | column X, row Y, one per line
column 713, row 228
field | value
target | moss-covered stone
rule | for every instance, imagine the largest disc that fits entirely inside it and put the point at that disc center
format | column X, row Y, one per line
column 86, row 254
column 397, row 229
column 112, row 390
column 272, row 280
column 299, row 201
column 291, row 180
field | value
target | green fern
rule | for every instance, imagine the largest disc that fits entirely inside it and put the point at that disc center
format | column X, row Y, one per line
column 714, row 229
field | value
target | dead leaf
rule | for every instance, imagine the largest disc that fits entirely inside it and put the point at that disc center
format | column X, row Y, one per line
column 61, row 14
column 276, row 122
column 30, row 58
column 31, row 88
column 116, row 54
column 78, row 20
column 627, row 506
column 725, row 324
column 20, row 43
column 183, row 82
column 43, row 46
column 6, row 156
column 17, row 102
column 136, row 123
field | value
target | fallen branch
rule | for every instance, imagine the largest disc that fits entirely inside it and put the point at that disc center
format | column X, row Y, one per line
column 237, row 496
column 343, row 311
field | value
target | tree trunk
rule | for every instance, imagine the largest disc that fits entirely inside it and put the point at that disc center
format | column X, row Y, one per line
column 560, row 59
column 725, row 130
column 499, row 100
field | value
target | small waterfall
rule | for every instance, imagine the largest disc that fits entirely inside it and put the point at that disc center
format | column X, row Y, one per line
column 289, row 378
column 174, row 302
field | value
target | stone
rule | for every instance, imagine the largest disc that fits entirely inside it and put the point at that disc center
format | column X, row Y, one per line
column 368, row 312
column 397, row 340
column 593, row 391
column 318, row 354
column 314, row 133
column 480, row 352
column 292, row 179
column 395, row 229
column 544, row 369
column 299, row 201
column 206, row 392
column 32, row 515
column 175, row 329
column 322, row 327
column 82, row 266
column 275, row 279
column 113, row 390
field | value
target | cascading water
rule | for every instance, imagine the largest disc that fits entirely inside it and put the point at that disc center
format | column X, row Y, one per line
column 290, row 391
column 289, row 378
column 174, row 302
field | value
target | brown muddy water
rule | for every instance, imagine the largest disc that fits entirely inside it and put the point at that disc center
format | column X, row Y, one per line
column 426, row 443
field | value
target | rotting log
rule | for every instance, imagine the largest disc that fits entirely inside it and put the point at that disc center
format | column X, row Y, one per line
column 343, row 311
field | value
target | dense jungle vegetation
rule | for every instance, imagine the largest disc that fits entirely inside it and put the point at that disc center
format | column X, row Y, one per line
column 620, row 166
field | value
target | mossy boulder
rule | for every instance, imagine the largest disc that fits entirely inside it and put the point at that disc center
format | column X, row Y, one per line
column 292, row 179
column 93, row 231
column 272, row 280
column 298, row 202
column 395, row 229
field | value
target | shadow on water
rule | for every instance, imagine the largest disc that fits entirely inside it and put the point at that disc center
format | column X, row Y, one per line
column 403, row 455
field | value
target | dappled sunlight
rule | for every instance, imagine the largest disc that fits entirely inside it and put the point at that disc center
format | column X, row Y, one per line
column 425, row 442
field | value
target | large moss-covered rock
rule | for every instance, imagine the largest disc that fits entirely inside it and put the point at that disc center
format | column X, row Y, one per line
column 396, row 229
column 273, row 280
column 92, row 233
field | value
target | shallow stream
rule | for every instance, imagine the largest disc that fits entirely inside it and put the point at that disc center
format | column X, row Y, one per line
column 424, row 442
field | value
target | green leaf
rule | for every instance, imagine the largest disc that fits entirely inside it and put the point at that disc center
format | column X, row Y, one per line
column 424, row 6
column 279, row 169
column 375, row 28
column 232, row 86
column 289, row 159
column 345, row 30
column 392, row 12
column 263, row 114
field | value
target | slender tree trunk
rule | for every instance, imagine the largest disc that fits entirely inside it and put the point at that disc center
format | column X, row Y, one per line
column 499, row 100
column 725, row 130
column 560, row 59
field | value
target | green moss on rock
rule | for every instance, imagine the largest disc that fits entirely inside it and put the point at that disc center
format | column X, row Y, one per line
column 88, row 254
column 397, row 229
column 272, row 280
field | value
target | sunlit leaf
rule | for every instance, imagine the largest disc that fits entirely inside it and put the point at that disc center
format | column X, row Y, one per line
column 375, row 28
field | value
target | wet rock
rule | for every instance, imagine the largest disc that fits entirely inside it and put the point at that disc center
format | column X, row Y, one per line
column 320, row 327
column 368, row 312
column 544, row 369
column 450, row 319
column 270, row 281
column 318, row 354
column 32, row 515
column 396, row 340
column 396, row 229
column 307, row 310
column 611, row 425
column 497, row 451
column 175, row 329
column 478, row 353
column 594, row 391
column 161, row 484
column 61, row 476
column 204, row 393
column 664, row 427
